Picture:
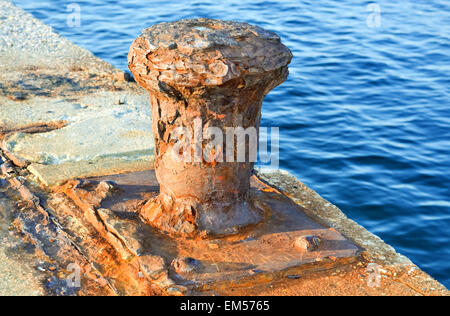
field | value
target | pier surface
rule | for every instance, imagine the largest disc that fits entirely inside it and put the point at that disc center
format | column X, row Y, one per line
column 65, row 114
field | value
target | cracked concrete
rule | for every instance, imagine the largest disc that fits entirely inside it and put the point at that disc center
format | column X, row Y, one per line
column 95, row 121
column 18, row 273
column 51, row 89
column 97, row 134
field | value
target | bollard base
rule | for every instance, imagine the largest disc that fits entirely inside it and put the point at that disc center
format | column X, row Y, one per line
column 189, row 218
column 285, row 243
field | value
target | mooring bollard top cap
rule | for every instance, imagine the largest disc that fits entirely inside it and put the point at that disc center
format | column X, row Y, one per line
column 205, row 52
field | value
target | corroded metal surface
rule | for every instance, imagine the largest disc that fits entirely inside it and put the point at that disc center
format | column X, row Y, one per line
column 50, row 249
column 103, row 213
column 207, row 53
column 216, row 73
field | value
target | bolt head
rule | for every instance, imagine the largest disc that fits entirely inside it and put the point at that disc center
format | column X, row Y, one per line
column 307, row 243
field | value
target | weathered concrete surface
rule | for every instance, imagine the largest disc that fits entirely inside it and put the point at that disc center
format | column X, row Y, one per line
column 399, row 275
column 26, row 42
column 18, row 273
column 88, row 110
column 41, row 75
column 30, row 240
column 47, row 84
column 96, row 130
column 18, row 279
column 51, row 175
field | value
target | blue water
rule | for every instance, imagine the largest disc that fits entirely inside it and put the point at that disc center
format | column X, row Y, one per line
column 364, row 116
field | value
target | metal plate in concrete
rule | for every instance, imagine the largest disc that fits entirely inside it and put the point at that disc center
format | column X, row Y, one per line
column 260, row 254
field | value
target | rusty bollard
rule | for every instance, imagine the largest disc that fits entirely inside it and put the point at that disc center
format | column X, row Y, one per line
column 205, row 75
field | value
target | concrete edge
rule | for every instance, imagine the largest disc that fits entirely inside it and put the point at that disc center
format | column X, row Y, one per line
column 53, row 175
column 48, row 56
column 377, row 251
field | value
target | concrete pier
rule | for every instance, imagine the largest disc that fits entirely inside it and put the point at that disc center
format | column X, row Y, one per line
column 57, row 104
